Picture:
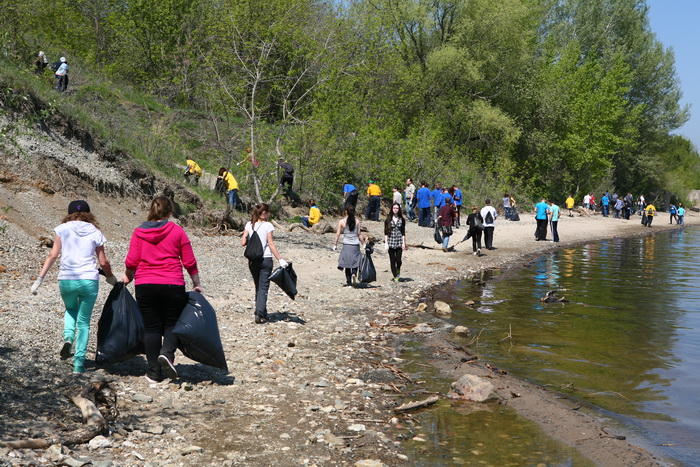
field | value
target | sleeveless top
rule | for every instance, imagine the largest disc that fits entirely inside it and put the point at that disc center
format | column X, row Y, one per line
column 351, row 238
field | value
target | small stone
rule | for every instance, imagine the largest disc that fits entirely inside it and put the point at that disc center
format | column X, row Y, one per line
column 141, row 398
column 330, row 438
column 422, row 328
column 54, row 452
column 369, row 463
column 72, row 462
column 461, row 330
column 155, row 429
column 357, row 427
column 419, row 439
column 191, row 450
column 366, row 394
column 105, row 463
column 421, row 307
column 99, row 442
column 472, row 388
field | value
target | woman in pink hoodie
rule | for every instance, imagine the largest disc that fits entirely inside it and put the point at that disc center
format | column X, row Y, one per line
column 158, row 251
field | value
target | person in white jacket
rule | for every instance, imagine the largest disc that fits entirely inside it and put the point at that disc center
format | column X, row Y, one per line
column 80, row 244
column 62, row 76
column 489, row 214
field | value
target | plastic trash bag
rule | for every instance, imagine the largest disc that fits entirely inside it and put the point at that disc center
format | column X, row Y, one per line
column 198, row 332
column 367, row 271
column 120, row 329
column 436, row 235
column 514, row 216
column 286, row 278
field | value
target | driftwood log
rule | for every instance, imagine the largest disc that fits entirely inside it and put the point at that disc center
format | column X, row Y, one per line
column 416, row 405
column 87, row 399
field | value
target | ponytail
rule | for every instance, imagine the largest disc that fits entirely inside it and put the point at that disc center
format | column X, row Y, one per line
column 350, row 211
column 257, row 212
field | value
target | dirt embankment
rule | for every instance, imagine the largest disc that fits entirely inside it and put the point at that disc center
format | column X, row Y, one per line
column 316, row 385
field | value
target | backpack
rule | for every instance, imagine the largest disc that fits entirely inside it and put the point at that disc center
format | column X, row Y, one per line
column 55, row 66
column 288, row 168
column 489, row 218
column 253, row 248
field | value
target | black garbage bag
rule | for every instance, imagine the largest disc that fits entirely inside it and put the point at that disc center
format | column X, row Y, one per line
column 198, row 332
column 514, row 216
column 367, row 271
column 120, row 328
column 644, row 219
column 436, row 235
column 286, row 278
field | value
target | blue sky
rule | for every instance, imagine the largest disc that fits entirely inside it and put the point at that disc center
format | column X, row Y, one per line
column 675, row 23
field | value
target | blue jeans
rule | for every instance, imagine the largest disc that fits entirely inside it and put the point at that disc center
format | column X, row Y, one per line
column 372, row 212
column 79, row 297
column 410, row 213
column 233, row 198
column 305, row 221
column 555, row 233
column 445, row 241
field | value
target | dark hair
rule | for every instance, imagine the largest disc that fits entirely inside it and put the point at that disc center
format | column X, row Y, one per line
column 257, row 212
column 221, row 171
column 488, row 201
column 387, row 221
column 161, row 208
column 311, row 202
column 81, row 216
column 350, row 212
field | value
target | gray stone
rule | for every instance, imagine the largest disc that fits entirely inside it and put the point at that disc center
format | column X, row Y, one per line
column 461, row 330
column 142, row 398
column 191, row 450
column 472, row 388
column 442, row 308
column 99, row 442
column 332, row 439
column 369, row 463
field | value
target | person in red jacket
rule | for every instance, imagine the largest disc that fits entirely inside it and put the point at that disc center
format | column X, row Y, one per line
column 158, row 251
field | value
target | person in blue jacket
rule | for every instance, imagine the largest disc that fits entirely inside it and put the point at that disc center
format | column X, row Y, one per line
column 350, row 195
column 436, row 196
column 681, row 214
column 605, row 203
column 423, row 196
column 456, row 194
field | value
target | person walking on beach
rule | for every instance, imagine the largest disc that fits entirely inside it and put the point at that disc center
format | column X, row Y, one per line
column 489, row 215
column 673, row 211
column 506, row 206
column 350, row 256
column 158, row 251
column 476, row 226
column 231, row 186
column 423, row 196
column 436, row 197
column 681, row 214
column 410, row 197
column 350, row 195
column 553, row 212
column 587, row 201
column 541, row 218
column 569, row 203
column 446, row 217
column 395, row 239
column 78, row 241
column 641, row 203
column 374, row 197
column 650, row 211
column 629, row 202
column 261, row 267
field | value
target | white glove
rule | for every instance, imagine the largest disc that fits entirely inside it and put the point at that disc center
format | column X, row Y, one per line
column 283, row 263
column 36, row 284
column 386, row 246
column 335, row 247
column 111, row 280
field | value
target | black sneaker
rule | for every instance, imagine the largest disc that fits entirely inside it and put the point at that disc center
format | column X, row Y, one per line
column 260, row 319
column 65, row 350
column 168, row 368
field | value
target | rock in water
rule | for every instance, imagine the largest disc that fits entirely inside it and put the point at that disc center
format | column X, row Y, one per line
column 442, row 308
column 471, row 388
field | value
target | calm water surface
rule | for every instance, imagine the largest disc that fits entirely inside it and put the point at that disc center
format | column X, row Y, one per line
column 628, row 341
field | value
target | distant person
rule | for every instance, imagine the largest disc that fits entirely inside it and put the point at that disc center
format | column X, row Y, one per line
column 456, row 194
column 553, row 212
column 681, row 214
column 506, row 206
column 396, row 195
column 541, row 218
column 350, row 195
column 192, row 171
column 411, row 201
column 41, row 63
column 350, row 255
column 605, row 205
column 249, row 157
column 650, row 211
column 513, row 208
column 374, row 198
column 314, row 215
column 158, row 251
column 489, row 214
column 591, row 204
column 230, row 186
column 436, row 198
column 475, row 224
column 287, row 178
column 423, row 196
column 673, row 211
column 641, row 203
column 62, row 75
column 395, row 239
column 446, row 218
column 80, row 244
column 261, row 268
column 629, row 203
column 569, row 203
column 619, row 207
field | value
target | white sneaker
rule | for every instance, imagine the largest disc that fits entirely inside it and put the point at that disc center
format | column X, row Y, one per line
column 478, row 252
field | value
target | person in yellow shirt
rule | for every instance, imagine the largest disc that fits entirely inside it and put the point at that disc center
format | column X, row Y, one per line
column 314, row 215
column 231, row 187
column 193, row 170
column 650, row 211
column 570, row 205
column 374, row 197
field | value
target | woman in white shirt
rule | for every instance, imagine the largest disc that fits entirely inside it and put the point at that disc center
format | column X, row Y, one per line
column 261, row 268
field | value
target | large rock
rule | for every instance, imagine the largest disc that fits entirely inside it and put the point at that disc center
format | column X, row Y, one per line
column 442, row 308
column 471, row 388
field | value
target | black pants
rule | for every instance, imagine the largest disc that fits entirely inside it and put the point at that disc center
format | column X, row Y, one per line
column 476, row 239
column 488, row 237
column 349, row 272
column 161, row 306
column 541, row 233
column 424, row 219
column 372, row 212
column 261, row 269
column 351, row 200
column 395, row 260
column 555, row 233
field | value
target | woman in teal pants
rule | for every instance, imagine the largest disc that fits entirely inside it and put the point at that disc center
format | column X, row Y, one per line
column 81, row 245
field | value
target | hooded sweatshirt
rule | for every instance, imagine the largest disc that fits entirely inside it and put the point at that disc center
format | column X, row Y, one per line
column 158, row 251
column 78, row 243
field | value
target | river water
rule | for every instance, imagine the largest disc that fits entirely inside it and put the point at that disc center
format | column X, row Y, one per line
column 627, row 342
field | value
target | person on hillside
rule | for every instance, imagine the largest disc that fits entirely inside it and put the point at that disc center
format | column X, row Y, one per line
column 541, row 218
column 374, row 197
column 446, row 217
column 650, row 211
column 350, row 195
column 476, row 226
column 62, row 75
column 396, row 195
column 193, row 171
column 314, row 215
column 569, row 203
column 681, row 214
column 261, row 268
column 553, row 213
column 41, row 63
column 249, row 157
column 423, row 196
column 673, row 211
column 80, row 245
column 231, row 187
column 158, row 251
column 350, row 255
column 287, row 178
column 456, row 194
column 395, row 239
column 489, row 215
column 411, row 201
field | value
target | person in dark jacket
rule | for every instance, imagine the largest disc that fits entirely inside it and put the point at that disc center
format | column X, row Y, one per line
column 476, row 226
column 446, row 218
column 395, row 239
